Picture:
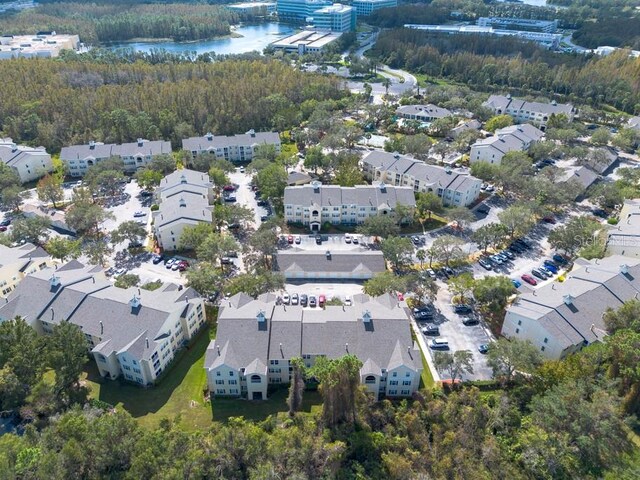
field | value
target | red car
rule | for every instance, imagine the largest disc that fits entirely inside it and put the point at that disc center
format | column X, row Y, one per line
column 400, row 296
column 290, row 239
column 3, row 228
column 228, row 188
column 529, row 279
column 321, row 300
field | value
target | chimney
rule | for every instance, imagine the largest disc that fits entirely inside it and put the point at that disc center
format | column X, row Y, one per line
column 140, row 142
column 346, row 347
column 134, row 302
column 568, row 299
column 328, row 255
column 146, row 340
column 624, row 268
column 209, row 136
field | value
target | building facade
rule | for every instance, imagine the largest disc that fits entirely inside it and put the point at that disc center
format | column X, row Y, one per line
column 624, row 238
column 454, row 187
column 41, row 45
column 299, row 10
column 523, row 24
column 562, row 318
column 134, row 155
column 234, row 148
column 367, row 7
column 315, row 204
column 27, row 162
column 423, row 113
column 254, row 8
column 536, row 113
column 131, row 333
column 256, row 340
column 185, row 198
column 306, row 41
column 335, row 18
column 515, row 138
column 18, row 262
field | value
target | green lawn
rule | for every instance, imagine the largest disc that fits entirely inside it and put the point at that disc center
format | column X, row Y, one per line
column 427, row 378
column 180, row 393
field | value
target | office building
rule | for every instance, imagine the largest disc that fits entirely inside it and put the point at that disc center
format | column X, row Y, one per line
column 335, row 18
column 367, row 7
column 307, row 41
column 522, row 24
column 41, row 45
column 299, row 10
column 254, row 8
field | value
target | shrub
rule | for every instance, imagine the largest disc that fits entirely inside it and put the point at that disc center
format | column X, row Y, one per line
column 155, row 207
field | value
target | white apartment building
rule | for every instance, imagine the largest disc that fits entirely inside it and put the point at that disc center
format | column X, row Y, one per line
column 185, row 198
column 624, row 238
column 234, row 148
column 562, row 318
column 515, row 138
column 536, row 113
column 423, row 113
column 135, row 155
column 367, row 7
column 27, row 162
column 314, row 204
column 454, row 187
column 256, row 340
column 18, row 262
column 131, row 333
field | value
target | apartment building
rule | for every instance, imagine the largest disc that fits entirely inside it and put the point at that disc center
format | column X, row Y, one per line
column 299, row 10
column 315, row 204
column 18, row 262
column 234, row 148
column 624, row 238
column 135, row 155
column 536, row 113
column 515, row 138
column 423, row 113
column 257, row 338
column 185, row 198
column 367, row 7
column 523, row 24
column 131, row 333
column 28, row 163
column 454, row 187
column 335, row 18
column 562, row 318
column 354, row 265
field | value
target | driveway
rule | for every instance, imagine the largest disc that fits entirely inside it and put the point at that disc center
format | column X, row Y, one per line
column 245, row 196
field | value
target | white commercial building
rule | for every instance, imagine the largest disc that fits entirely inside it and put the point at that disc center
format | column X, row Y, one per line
column 253, row 8
column 131, row 333
column 515, row 138
column 185, row 198
column 562, row 318
column 134, row 155
column 454, row 187
column 335, row 18
column 524, row 24
column 27, row 162
column 314, row 204
column 536, row 113
column 256, row 340
column 234, row 148
column 307, row 41
column 41, row 45
column 367, row 7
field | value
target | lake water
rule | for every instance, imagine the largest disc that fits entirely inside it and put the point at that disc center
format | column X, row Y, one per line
column 254, row 37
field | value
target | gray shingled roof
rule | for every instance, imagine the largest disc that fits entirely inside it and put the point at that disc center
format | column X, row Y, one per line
column 525, row 132
column 501, row 102
column 361, row 261
column 429, row 110
column 333, row 195
column 11, row 154
column 101, row 150
column 200, row 144
column 334, row 331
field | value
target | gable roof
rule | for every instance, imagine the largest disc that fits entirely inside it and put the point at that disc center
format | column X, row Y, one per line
column 209, row 141
column 295, row 261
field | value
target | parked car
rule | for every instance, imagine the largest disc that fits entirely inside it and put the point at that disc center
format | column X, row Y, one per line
column 484, row 348
column 529, row 279
column 439, row 344
column 549, row 219
column 431, row 329
column 559, row 258
column 5, row 223
column 3, row 228
column 286, row 299
column 321, row 300
column 230, row 198
column 469, row 321
column 298, row 240
column 241, row 169
column 347, row 238
column 485, row 264
column 264, row 218
column 229, row 188
column 318, row 239
column 416, row 240
column 312, row 301
column 355, row 240
column 496, row 259
column 551, row 267
column 304, row 300
column 431, row 273
column 290, row 239
column 169, row 263
column 139, row 214
column 183, row 265
column 462, row 308
column 598, row 212
column 508, row 254
column 516, row 283
column 347, row 301
column 294, row 299
column 119, row 271
column 539, row 274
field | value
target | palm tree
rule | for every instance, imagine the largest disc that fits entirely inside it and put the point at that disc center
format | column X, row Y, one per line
column 386, row 83
column 421, row 255
column 432, row 252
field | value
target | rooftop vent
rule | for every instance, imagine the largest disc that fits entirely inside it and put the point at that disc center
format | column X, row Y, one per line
column 140, row 142
column 346, row 347
column 568, row 299
column 383, row 187
column 54, row 281
column 366, row 316
column 146, row 341
column 328, row 254
column 209, row 136
column 92, row 145
column 624, row 268
column 135, row 302
column 101, row 327
column 260, row 317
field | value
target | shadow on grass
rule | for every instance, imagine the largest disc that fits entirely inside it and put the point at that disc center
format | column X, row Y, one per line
column 140, row 401
column 258, row 410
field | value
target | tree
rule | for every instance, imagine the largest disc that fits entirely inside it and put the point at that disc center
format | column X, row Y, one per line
column 462, row 285
column 315, row 159
column 384, row 282
column 461, row 215
column 272, row 181
column 66, row 355
column 229, row 214
column 256, row 283
column 85, row 217
column 484, row 170
column 497, row 122
column 576, row 233
column 193, row 235
column 626, row 138
column 600, row 136
column 127, row 280
column 339, row 386
column 447, row 248
column 507, row 358
column 397, row 251
column 421, row 255
column 623, row 348
column 50, row 189
column 216, row 246
column 379, row 226
column 296, row 388
column 518, row 219
column 627, row 316
column 204, row 278
column 11, row 197
column 130, row 231
column 31, row 229
column 97, row 250
column 148, row 178
column 348, row 173
column 263, row 245
column 493, row 292
column 218, row 177
column 455, row 365
column 490, row 234
column 163, row 164
column 427, row 203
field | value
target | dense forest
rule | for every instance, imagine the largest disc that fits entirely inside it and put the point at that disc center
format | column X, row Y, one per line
column 57, row 103
column 109, row 22
column 491, row 64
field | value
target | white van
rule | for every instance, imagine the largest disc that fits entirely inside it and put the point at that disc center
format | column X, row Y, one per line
column 439, row 344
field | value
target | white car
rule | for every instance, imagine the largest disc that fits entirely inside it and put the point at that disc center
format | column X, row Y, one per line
column 286, row 299
column 347, row 301
column 431, row 273
column 241, row 169
column 295, row 299
column 139, row 214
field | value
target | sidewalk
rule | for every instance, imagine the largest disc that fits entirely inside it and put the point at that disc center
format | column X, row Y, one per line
column 425, row 351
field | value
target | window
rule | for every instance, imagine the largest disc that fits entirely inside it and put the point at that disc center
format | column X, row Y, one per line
column 220, row 391
column 519, row 322
column 393, row 382
column 233, row 382
column 517, row 330
column 394, row 374
column 218, row 373
column 219, row 382
column 405, row 392
column 393, row 392
column 126, row 367
column 231, row 374
column 406, row 382
column 408, row 374
column 542, row 348
column 256, row 379
column 546, row 340
column 370, row 379
column 137, row 370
